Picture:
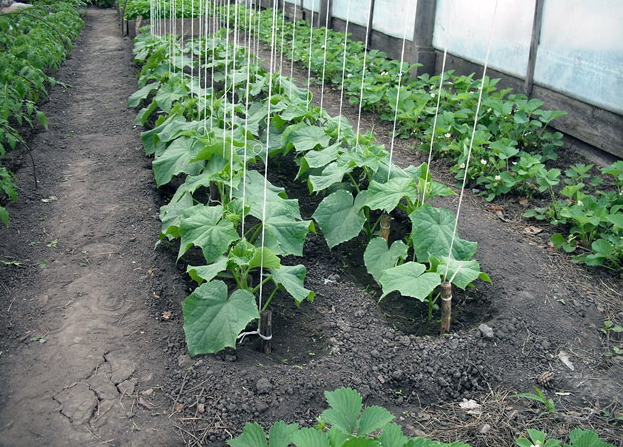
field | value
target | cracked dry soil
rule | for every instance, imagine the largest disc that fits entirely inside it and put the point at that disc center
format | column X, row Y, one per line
column 78, row 353
column 86, row 358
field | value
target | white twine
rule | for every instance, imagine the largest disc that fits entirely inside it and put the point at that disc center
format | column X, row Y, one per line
column 471, row 143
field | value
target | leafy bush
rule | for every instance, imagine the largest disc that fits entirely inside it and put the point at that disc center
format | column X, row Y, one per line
column 33, row 43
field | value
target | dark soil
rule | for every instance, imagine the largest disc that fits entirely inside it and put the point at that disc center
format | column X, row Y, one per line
column 92, row 349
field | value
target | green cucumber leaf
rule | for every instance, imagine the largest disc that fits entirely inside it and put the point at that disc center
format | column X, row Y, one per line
column 206, row 273
column 292, row 278
column 176, row 159
column 332, row 173
column 170, row 93
column 264, row 257
column 285, row 233
column 339, row 217
column 305, row 137
column 461, row 273
column 410, row 279
column 431, row 234
column 386, row 196
column 135, row 99
column 171, row 214
column 212, row 320
column 378, row 257
column 203, row 226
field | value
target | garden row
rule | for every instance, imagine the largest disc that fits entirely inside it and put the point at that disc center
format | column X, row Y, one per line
column 511, row 143
column 166, row 8
column 346, row 423
column 34, row 41
column 217, row 121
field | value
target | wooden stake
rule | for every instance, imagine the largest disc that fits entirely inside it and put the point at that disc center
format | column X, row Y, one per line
column 446, row 306
column 266, row 331
column 385, row 226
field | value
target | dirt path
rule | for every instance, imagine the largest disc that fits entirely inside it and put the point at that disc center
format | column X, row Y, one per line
column 78, row 359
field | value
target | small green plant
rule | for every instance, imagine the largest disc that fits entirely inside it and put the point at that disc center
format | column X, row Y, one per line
column 608, row 329
column 540, row 397
column 577, row 438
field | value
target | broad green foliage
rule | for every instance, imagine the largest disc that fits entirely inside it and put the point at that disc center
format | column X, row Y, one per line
column 135, row 8
column 213, row 320
column 512, row 142
column 347, row 424
column 209, row 142
column 33, row 43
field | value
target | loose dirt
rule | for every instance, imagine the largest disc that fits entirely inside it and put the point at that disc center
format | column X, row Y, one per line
column 92, row 349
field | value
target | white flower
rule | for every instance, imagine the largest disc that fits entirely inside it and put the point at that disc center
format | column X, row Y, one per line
column 432, row 95
column 498, row 178
column 580, row 203
column 462, row 166
column 483, row 161
column 349, row 75
column 448, row 135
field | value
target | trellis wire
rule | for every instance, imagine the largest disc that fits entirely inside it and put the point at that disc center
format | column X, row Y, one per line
column 324, row 59
column 402, row 59
column 264, row 200
column 339, row 118
column 311, row 40
column 363, row 73
column 432, row 138
column 471, row 143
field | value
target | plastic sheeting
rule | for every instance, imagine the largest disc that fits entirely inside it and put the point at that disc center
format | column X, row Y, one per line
column 353, row 11
column 581, row 51
column 465, row 26
column 395, row 17
column 312, row 5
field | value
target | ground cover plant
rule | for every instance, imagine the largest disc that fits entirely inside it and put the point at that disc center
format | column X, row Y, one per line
column 167, row 9
column 347, row 424
column 512, row 144
column 208, row 137
column 33, row 44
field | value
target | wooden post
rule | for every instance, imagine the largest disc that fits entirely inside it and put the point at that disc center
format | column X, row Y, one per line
column 423, row 51
column 370, row 25
column 446, row 306
column 534, row 46
column 266, row 331
column 385, row 226
column 324, row 14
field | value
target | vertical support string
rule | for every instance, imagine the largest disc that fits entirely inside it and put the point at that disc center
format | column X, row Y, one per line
column 363, row 71
column 439, row 92
column 471, row 142
column 311, row 41
column 339, row 117
column 324, row 58
column 268, row 122
column 402, row 60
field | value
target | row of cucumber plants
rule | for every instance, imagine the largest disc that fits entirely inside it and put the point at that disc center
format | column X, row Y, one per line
column 166, row 8
column 511, row 146
column 346, row 423
column 33, row 43
column 209, row 137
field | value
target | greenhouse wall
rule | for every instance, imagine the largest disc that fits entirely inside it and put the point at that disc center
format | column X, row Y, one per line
column 568, row 53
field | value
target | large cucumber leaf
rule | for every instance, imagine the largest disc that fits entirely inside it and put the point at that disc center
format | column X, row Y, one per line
column 431, row 234
column 378, row 257
column 410, row 279
column 204, row 227
column 176, row 159
column 212, row 320
column 339, row 217
column 292, row 279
